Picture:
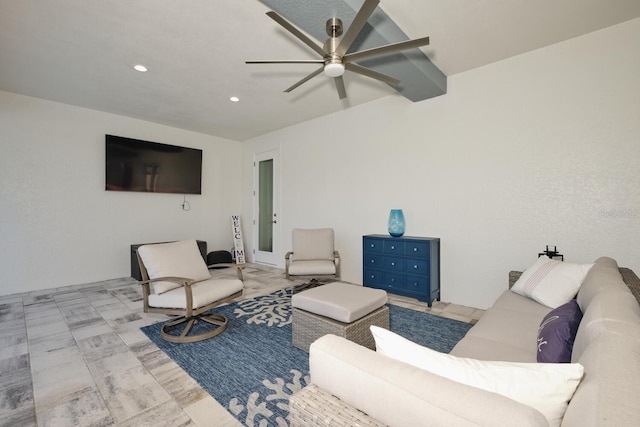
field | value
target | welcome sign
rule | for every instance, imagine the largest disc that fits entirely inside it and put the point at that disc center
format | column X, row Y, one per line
column 238, row 246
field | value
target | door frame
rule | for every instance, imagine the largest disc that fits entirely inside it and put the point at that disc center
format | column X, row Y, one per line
column 263, row 257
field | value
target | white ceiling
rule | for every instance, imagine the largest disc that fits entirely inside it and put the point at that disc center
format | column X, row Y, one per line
column 81, row 52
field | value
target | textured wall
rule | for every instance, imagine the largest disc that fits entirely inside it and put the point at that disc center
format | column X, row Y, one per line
column 58, row 226
column 538, row 149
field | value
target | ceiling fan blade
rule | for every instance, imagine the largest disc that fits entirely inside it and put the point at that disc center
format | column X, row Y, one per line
column 373, row 74
column 304, row 80
column 285, row 61
column 385, row 50
column 293, row 30
column 342, row 92
column 356, row 26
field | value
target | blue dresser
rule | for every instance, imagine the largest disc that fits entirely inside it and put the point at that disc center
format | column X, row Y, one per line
column 407, row 266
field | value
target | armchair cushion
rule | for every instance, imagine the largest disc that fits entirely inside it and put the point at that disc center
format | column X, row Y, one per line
column 303, row 268
column 313, row 244
column 203, row 293
column 175, row 259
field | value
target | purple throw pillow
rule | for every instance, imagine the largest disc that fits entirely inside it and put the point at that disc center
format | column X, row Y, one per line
column 557, row 332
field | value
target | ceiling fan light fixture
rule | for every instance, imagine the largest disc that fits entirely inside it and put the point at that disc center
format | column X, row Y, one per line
column 334, row 70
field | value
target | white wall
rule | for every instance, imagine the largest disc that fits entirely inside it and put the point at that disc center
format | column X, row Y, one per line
column 58, row 226
column 543, row 148
column 538, row 149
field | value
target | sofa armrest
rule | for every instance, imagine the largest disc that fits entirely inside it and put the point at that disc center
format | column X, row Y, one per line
column 398, row 394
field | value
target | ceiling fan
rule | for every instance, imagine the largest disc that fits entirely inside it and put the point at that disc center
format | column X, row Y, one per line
column 335, row 58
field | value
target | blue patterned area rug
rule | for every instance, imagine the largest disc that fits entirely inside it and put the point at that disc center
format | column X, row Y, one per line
column 252, row 368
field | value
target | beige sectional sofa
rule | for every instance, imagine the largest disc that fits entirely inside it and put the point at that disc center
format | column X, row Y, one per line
column 352, row 385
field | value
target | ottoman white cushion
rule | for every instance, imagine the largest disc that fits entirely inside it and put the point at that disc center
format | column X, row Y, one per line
column 340, row 301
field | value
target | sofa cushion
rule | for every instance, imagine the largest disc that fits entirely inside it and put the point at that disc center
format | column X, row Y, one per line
column 520, row 304
column 551, row 282
column 491, row 349
column 400, row 395
column 557, row 332
column 175, row 259
column 547, row 387
column 508, row 327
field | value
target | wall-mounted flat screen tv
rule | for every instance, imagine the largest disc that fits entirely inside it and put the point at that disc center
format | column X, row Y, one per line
column 135, row 165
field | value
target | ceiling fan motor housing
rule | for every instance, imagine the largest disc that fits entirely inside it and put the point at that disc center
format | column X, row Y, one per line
column 333, row 66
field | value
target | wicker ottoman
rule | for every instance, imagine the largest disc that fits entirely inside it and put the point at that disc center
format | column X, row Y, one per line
column 341, row 309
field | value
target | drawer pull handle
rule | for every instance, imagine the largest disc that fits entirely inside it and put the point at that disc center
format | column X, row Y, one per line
column 393, row 247
column 373, row 246
column 415, row 283
column 415, row 267
column 393, row 264
column 373, row 261
column 415, row 249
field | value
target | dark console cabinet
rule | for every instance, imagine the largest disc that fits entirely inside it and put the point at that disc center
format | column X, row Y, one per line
column 135, row 267
column 407, row 266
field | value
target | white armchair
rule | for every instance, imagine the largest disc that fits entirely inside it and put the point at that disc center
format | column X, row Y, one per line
column 177, row 282
column 312, row 254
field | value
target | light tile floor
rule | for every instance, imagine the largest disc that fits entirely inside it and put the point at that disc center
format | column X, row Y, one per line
column 75, row 356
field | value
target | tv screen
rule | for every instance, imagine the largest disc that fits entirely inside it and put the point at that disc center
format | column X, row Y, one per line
column 135, row 165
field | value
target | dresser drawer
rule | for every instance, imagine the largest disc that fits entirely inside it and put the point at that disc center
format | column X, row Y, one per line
column 393, row 280
column 373, row 245
column 393, row 263
column 417, row 249
column 417, row 266
column 393, row 247
column 373, row 261
column 373, row 277
column 419, row 284
column 384, row 280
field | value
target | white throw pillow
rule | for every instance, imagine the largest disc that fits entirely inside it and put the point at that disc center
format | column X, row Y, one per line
column 546, row 387
column 175, row 259
column 551, row 282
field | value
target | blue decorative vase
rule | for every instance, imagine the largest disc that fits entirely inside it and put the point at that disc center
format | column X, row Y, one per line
column 396, row 222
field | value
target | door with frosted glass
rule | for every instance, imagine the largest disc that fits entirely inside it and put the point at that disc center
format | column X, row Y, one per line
column 266, row 201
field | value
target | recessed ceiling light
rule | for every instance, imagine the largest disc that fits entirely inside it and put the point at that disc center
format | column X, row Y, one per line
column 234, row 99
column 140, row 67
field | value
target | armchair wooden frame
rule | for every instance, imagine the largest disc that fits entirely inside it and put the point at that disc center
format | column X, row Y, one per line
column 189, row 315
